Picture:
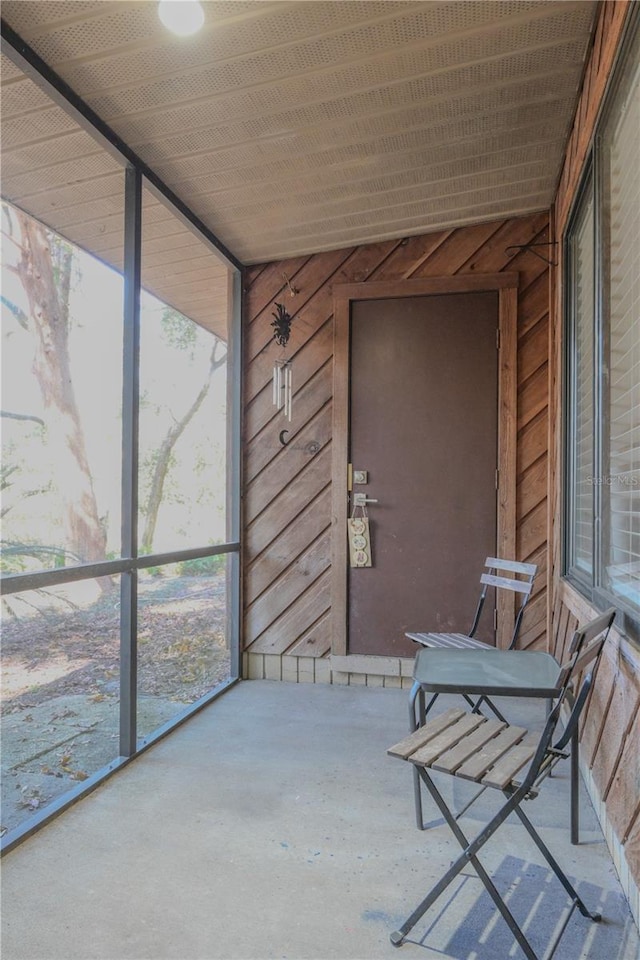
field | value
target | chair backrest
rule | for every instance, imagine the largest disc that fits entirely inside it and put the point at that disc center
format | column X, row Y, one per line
column 586, row 648
column 520, row 582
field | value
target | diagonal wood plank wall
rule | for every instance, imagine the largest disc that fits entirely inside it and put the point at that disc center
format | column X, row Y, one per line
column 610, row 740
column 287, row 490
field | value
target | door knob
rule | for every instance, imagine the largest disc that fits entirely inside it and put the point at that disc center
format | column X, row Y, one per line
column 361, row 500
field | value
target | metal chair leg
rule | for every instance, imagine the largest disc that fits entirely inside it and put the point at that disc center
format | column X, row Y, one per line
column 555, row 866
column 470, row 849
column 469, row 855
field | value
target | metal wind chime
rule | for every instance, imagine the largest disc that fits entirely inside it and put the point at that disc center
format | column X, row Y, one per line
column 282, row 370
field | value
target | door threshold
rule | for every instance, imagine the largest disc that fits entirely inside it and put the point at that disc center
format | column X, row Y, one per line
column 373, row 665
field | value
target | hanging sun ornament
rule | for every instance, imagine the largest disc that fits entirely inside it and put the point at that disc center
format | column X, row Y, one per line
column 282, row 372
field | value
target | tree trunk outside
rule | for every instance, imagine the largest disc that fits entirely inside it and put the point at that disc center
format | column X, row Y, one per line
column 164, row 457
column 48, row 298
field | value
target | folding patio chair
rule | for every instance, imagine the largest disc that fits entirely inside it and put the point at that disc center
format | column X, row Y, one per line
column 494, row 754
column 491, row 578
column 520, row 582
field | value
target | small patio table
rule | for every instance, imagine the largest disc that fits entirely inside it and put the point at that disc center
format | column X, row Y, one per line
column 489, row 673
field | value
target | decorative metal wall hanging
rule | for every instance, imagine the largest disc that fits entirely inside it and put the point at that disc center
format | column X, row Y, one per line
column 281, row 324
column 283, row 387
column 282, row 369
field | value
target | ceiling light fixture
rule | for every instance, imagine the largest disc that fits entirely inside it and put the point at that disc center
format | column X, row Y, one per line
column 182, row 17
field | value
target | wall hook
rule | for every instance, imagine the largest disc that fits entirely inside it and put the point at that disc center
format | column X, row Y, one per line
column 530, row 246
column 292, row 290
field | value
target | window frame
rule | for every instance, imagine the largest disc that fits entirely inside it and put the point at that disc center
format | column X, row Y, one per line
column 592, row 186
column 572, row 572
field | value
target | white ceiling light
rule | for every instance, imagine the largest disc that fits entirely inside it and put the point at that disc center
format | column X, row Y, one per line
column 182, row 17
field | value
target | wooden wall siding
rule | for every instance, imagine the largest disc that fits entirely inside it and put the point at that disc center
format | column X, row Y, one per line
column 287, row 512
column 391, row 672
column 609, row 738
column 610, row 735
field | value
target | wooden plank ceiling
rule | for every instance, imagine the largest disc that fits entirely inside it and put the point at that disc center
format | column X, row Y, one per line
column 295, row 127
column 287, row 490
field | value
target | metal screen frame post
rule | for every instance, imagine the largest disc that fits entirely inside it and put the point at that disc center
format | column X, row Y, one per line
column 234, row 469
column 130, row 427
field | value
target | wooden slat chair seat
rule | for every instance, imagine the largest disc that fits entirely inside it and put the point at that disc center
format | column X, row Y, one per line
column 471, row 746
column 452, row 641
column 507, row 758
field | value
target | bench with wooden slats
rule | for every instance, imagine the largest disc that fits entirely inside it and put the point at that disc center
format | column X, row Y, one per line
column 471, row 746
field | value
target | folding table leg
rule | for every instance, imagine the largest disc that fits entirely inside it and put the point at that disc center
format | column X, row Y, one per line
column 417, row 718
column 490, row 704
column 414, row 722
column 575, row 789
column 417, row 795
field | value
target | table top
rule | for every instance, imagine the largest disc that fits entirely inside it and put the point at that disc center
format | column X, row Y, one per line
column 506, row 673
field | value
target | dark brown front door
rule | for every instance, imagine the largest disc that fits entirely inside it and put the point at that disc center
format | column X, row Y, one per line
column 423, row 424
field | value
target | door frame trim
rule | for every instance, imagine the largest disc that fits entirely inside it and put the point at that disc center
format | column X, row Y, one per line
column 506, row 285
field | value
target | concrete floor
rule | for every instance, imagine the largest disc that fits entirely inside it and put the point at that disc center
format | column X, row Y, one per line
column 273, row 825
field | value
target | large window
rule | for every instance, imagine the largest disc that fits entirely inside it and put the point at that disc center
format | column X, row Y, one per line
column 603, row 357
column 120, row 452
column 581, row 335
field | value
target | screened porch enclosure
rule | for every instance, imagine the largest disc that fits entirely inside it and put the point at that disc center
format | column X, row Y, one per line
column 120, row 490
column 173, row 516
